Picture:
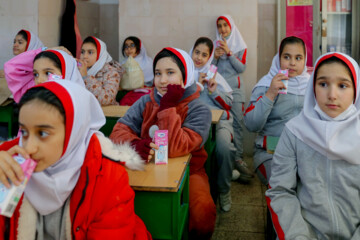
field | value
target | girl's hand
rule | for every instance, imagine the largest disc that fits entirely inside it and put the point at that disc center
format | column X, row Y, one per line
column 218, row 52
column 82, row 68
column 224, row 46
column 152, row 152
column 212, row 84
column 61, row 48
column 202, row 78
column 275, row 85
column 9, row 168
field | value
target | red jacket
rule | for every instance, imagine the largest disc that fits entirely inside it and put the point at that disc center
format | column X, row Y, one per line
column 101, row 205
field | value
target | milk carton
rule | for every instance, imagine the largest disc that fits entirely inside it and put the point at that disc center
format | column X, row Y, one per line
column 286, row 82
column 9, row 198
column 211, row 73
column 161, row 140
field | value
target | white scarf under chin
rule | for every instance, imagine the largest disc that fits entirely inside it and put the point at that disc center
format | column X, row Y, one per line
column 351, row 110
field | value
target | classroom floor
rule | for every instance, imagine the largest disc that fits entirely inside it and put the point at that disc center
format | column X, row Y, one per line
column 247, row 217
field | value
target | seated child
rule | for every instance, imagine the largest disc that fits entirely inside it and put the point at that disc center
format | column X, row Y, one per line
column 217, row 95
column 174, row 105
column 36, row 66
column 315, row 173
column 133, row 47
column 101, row 73
column 80, row 188
column 24, row 41
column 269, row 111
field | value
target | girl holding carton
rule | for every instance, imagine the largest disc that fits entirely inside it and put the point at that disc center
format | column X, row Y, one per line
column 100, row 72
column 230, row 58
column 71, row 194
column 315, row 175
column 37, row 66
column 24, row 41
column 268, row 111
column 173, row 105
column 216, row 94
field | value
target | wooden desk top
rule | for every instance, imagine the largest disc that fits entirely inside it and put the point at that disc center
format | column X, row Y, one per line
column 119, row 111
column 4, row 91
column 115, row 110
column 160, row 178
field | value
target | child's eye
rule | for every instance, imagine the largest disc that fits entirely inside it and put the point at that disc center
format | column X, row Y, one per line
column 36, row 75
column 298, row 58
column 204, row 55
column 91, row 52
column 82, row 51
column 287, row 57
column 170, row 72
column 343, row 85
column 157, row 74
column 23, row 132
column 323, row 84
column 48, row 73
column 43, row 134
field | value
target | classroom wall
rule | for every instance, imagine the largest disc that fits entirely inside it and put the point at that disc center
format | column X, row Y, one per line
column 161, row 23
column 15, row 15
column 50, row 13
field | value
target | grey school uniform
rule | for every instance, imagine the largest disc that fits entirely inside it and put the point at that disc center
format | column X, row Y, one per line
column 268, row 118
column 313, row 197
column 231, row 69
column 225, row 149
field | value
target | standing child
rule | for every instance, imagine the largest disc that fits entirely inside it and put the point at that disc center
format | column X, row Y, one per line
column 173, row 105
column 133, row 47
column 216, row 93
column 230, row 58
column 24, row 41
column 80, row 188
column 37, row 66
column 314, row 185
column 101, row 74
column 269, row 111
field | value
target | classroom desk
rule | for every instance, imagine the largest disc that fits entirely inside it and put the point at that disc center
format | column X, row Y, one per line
column 6, row 106
column 162, row 197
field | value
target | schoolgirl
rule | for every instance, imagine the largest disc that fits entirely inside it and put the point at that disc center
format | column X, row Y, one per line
column 24, row 40
column 216, row 93
column 101, row 73
column 230, row 58
column 269, row 111
column 80, row 188
column 174, row 105
column 315, row 174
column 133, row 47
column 37, row 66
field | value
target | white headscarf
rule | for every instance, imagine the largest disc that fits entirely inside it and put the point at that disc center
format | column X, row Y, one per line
column 33, row 41
column 188, row 65
column 69, row 67
column 336, row 138
column 222, row 83
column 145, row 63
column 48, row 190
column 234, row 41
column 297, row 85
column 102, row 57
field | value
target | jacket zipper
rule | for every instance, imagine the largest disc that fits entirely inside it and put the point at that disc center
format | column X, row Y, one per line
column 80, row 202
column 330, row 197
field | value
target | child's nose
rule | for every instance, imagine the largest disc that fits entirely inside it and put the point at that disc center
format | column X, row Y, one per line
column 332, row 93
column 30, row 146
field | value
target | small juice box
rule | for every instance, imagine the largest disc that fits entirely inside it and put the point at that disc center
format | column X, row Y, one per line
column 218, row 44
column 211, row 73
column 9, row 198
column 161, row 140
column 54, row 77
column 286, row 82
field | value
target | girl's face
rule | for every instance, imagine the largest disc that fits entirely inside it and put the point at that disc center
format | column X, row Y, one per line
column 334, row 89
column 19, row 45
column 223, row 28
column 200, row 55
column 130, row 48
column 43, row 133
column 88, row 54
column 43, row 67
column 293, row 59
column 167, row 72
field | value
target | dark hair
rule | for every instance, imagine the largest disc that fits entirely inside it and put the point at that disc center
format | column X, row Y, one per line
column 50, row 55
column 90, row 39
column 291, row 40
column 136, row 42
column 206, row 41
column 166, row 53
column 23, row 34
column 44, row 95
column 330, row 60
